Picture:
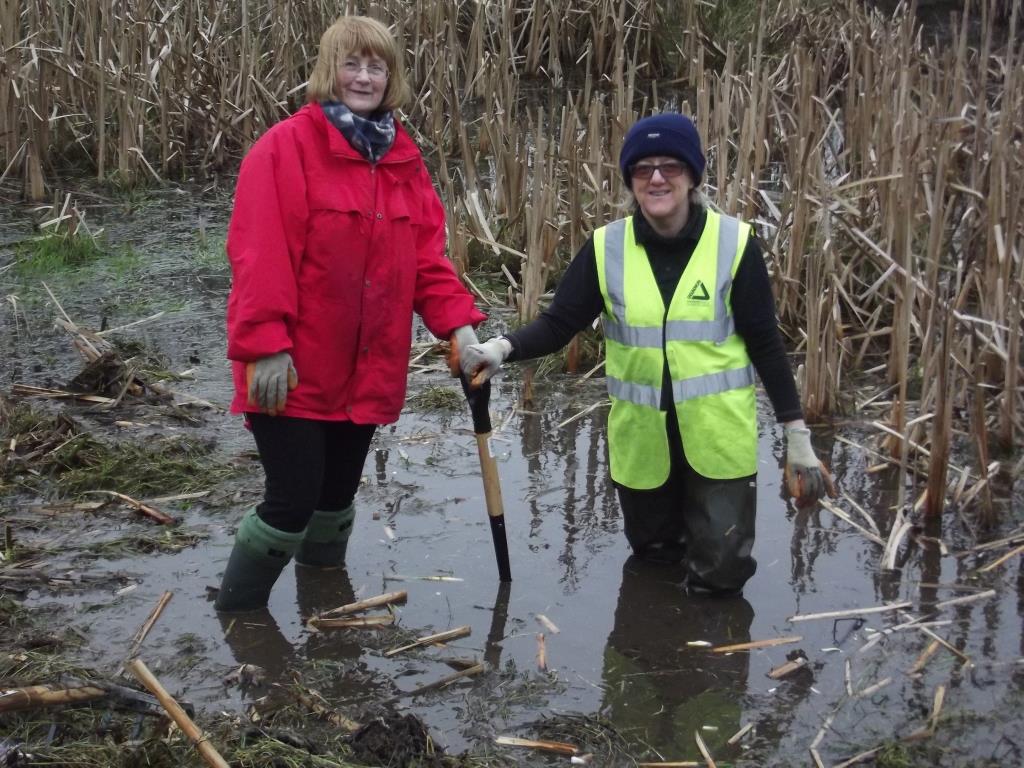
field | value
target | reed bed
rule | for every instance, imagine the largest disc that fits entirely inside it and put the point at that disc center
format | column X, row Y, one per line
column 880, row 170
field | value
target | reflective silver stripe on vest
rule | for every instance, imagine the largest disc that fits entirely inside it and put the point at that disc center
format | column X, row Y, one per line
column 615, row 267
column 717, row 330
column 713, row 383
column 700, row 330
column 639, row 394
column 632, row 335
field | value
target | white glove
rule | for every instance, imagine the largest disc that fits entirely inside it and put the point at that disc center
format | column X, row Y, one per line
column 464, row 336
column 807, row 478
column 482, row 362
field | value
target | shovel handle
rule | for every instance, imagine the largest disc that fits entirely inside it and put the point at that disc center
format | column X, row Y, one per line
column 478, row 394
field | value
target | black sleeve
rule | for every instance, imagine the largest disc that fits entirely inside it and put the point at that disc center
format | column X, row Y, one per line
column 576, row 304
column 756, row 323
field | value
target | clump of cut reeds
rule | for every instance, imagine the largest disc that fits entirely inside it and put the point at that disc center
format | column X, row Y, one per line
column 52, row 454
column 161, row 466
column 166, row 540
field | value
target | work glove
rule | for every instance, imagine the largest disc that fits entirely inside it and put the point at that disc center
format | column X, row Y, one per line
column 463, row 336
column 807, row 478
column 269, row 380
column 482, row 362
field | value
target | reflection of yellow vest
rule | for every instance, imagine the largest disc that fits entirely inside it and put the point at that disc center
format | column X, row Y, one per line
column 712, row 378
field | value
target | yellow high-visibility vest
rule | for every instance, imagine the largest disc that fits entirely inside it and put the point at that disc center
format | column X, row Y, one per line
column 712, row 378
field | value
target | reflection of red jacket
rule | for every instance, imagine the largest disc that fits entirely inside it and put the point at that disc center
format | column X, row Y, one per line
column 330, row 256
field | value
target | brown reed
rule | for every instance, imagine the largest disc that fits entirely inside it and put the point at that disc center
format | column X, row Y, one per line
column 879, row 170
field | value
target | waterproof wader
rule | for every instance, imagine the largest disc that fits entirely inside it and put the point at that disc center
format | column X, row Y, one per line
column 707, row 524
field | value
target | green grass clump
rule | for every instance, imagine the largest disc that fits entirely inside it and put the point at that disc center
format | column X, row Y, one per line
column 56, row 252
column 437, row 399
column 893, row 755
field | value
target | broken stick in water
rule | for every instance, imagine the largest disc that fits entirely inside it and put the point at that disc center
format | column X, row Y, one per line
column 846, row 613
column 559, row 747
column 147, row 625
column 351, row 622
column 788, row 668
column 387, row 598
column 443, row 682
column 755, row 644
column 440, row 637
column 177, row 714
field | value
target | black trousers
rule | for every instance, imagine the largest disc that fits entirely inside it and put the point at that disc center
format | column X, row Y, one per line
column 309, row 465
column 707, row 524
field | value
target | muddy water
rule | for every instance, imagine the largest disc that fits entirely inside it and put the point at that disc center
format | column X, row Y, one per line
column 630, row 647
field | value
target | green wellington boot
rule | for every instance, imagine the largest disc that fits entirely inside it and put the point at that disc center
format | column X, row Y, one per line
column 326, row 538
column 259, row 555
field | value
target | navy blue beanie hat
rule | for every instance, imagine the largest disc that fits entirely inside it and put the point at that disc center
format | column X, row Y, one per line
column 671, row 135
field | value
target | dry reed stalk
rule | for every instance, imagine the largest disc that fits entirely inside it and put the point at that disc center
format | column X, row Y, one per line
column 199, row 739
column 884, row 169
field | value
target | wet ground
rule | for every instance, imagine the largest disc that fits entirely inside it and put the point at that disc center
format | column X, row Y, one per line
column 630, row 673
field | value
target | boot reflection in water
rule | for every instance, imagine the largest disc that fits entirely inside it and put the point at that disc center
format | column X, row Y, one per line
column 319, row 590
column 658, row 688
column 261, row 651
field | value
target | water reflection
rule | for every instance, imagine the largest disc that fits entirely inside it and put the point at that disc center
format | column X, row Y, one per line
column 256, row 639
column 256, row 642
column 658, row 689
column 496, row 633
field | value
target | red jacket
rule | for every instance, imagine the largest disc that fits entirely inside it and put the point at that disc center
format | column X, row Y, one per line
column 330, row 256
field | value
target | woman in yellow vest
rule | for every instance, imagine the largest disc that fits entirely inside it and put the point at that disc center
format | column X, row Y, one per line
column 688, row 314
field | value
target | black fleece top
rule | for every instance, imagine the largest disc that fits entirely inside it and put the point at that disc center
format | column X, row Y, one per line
column 578, row 302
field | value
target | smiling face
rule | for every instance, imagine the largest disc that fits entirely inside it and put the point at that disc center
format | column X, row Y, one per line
column 664, row 198
column 360, row 82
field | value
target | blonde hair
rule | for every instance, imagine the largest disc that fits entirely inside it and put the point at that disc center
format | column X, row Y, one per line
column 359, row 35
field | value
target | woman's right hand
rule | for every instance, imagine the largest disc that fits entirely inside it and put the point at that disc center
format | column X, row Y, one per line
column 269, row 380
column 481, row 362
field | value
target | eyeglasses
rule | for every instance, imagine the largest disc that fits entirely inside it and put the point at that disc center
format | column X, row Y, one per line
column 374, row 71
column 669, row 170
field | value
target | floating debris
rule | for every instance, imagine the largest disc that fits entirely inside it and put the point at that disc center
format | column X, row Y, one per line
column 388, row 598
column 351, row 622
column 440, row 637
column 850, row 612
column 548, row 624
column 755, row 644
column 557, row 747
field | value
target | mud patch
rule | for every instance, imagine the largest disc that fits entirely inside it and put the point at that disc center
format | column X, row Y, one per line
column 397, row 740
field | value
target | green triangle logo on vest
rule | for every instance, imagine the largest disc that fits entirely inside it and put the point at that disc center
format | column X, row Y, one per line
column 698, row 292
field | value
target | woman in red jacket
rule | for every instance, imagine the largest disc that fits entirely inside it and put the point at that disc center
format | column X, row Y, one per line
column 336, row 238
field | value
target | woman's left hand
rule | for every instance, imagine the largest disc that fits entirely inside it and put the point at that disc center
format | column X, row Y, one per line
column 807, row 478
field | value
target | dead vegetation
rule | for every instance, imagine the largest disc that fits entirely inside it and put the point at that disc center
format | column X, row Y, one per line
column 52, row 455
column 879, row 169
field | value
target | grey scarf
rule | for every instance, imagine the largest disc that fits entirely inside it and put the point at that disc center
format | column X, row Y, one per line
column 371, row 137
